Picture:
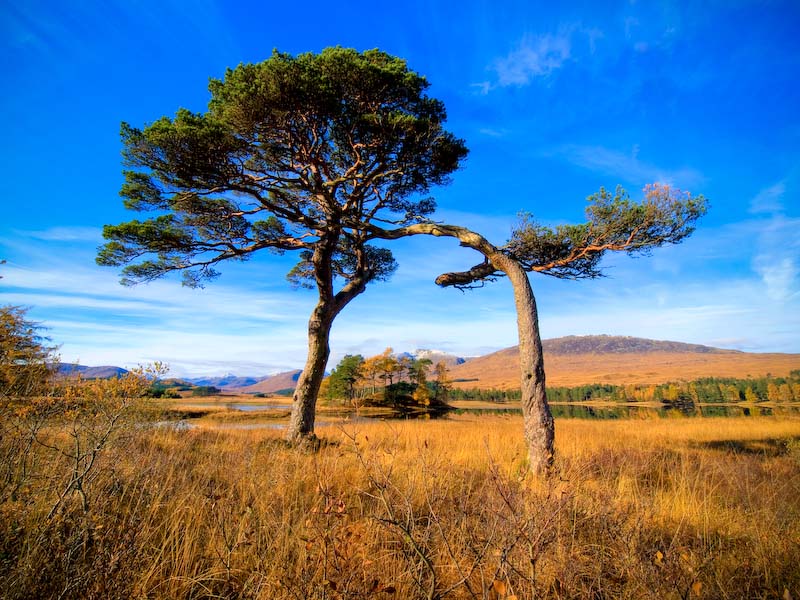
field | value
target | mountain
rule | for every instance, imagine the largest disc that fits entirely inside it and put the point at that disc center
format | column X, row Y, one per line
column 579, row 360
column 103, row 372
column 273, row 383
column 226, row 381
column 437, row 356
column 608, row 344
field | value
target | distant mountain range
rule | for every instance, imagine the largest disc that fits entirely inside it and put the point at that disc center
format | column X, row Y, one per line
column 570, row 360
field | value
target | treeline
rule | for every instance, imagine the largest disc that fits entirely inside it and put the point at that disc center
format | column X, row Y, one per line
column 705, row 390
column 387, row 380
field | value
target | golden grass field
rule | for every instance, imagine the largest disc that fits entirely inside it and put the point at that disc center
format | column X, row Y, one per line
column 501, row 369
column 654, row 508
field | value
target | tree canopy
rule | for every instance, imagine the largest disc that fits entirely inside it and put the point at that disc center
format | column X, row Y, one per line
column 296, row 153
column 289, row 151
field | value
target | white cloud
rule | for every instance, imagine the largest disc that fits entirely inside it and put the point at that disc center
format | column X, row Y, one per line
column 777, row 255
column 538, row 56
column 779, row 275
column 627, row 167
column 535, row 56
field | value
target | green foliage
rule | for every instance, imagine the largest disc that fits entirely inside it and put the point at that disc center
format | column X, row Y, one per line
column 159, row 390
column 205, row 390
column 615, row 223
column 294, row 153
column 343, row 379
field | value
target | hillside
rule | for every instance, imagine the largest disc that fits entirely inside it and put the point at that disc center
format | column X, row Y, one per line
column 615, row 344
column 226, row 381
column 578, row 360
column 272, row 383
column 103, row 372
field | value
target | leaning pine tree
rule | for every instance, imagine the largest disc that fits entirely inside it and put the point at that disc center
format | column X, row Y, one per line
column 293, row 154
column 615, row 223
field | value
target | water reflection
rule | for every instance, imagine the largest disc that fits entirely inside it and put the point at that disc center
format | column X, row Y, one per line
column 633, row 411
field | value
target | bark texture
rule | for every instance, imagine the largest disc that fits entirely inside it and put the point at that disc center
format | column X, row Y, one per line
column 329, row 305
column 539, row 426
column 304, row 401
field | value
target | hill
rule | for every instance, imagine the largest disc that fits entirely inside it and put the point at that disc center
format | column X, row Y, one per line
column 103, row 372
column 615, row 344
column 579, row 360
column 226, row 381
column 272, row 383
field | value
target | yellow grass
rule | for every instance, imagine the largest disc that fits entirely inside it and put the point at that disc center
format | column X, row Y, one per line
column 664, row 508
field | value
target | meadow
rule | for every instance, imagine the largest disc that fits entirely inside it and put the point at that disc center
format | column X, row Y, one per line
column 637, row 508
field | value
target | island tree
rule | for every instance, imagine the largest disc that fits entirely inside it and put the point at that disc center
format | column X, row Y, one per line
column 293, row 154
column 614, row 223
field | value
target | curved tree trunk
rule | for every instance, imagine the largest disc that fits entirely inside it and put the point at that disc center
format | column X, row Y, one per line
column 304, row 402
column 329, row 305
column 538, row 420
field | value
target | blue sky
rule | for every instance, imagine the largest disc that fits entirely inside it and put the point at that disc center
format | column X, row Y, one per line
column 554, row 100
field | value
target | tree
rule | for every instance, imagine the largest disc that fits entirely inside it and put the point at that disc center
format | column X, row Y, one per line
column 614, row 223
column 442, row 385
column 293, row 154
column 388, row 367
column 418, row 375
column 342, row 381
column 26, row 361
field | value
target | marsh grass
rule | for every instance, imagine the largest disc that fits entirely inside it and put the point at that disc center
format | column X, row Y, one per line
column 666, row 508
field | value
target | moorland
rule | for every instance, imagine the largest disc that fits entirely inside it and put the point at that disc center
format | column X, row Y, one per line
column 108, row 493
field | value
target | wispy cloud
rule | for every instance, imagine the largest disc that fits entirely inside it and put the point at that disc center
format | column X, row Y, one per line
column 496, row 133
column 777, row 257
column 535, row 56
column 770, row 199
column 627, row 167
column 66, row 234
column 779, row 275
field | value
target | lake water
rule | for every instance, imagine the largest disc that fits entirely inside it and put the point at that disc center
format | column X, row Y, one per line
column 560, row 411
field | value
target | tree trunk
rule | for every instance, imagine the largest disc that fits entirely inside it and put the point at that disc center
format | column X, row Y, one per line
column 538, row 420
column 329, row 305
column 304, row 402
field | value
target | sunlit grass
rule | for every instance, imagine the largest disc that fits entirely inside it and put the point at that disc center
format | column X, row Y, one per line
column 665, row 508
